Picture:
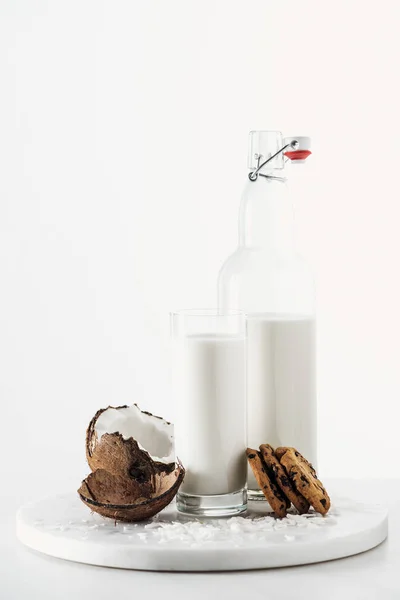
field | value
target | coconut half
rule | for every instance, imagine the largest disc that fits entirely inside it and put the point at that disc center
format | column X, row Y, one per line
column 112, row 496
column 131, row 455
column 152, row 434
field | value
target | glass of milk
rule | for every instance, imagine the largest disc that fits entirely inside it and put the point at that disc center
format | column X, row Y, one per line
column 209, row 373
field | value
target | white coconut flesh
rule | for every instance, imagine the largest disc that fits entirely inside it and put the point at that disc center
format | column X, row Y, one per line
column 153, row 434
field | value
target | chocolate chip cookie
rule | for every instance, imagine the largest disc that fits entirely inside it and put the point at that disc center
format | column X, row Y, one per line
column 279, row 452
column 304, row 478
column 282, row 479
column 265, row 479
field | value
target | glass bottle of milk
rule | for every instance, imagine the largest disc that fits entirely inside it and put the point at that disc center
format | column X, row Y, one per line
column 267, row 280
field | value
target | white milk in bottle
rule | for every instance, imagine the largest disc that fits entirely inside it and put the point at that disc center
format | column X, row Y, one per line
column 281, row 383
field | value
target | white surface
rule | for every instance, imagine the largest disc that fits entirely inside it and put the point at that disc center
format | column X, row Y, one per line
column 210, row 429
column 368, row 576
column 281, row 397
column 62, row 526
column 95, row 248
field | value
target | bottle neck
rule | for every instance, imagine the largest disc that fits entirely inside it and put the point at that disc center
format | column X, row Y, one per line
column 266, row 216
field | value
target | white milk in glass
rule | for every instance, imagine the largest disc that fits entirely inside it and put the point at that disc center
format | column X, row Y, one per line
column 210, row 413
column 281, row 391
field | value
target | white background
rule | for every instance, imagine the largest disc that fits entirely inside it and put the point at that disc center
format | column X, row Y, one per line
column 117, row 204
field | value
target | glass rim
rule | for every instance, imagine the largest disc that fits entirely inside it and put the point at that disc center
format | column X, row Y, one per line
column 207, row 312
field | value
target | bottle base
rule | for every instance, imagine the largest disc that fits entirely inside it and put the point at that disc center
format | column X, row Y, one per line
column 256, row 495
column 220, row 505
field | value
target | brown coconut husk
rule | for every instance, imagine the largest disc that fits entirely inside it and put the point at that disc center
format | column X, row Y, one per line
column 121, row 456
column 126, row 500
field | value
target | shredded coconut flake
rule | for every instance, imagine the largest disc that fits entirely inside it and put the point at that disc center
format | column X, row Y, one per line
column 164, row 528
column 236, row 530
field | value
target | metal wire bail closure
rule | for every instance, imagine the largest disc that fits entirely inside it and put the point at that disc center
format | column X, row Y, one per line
column 253, row 176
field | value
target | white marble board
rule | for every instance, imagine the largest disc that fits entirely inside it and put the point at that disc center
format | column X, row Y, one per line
column 63, row 527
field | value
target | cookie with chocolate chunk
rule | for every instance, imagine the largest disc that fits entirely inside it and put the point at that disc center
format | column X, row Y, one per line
column 282, row 480
column 304, row 478
column 279, row 452
column 265, row 479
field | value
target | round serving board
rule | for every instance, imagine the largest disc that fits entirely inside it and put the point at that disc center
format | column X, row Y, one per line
column 63, row 527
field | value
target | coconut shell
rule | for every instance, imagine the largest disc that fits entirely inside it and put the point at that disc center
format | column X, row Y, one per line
column 123, row 458
column 120, row 499
column 91, row 435
column 104, row 487
column 120, row 456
